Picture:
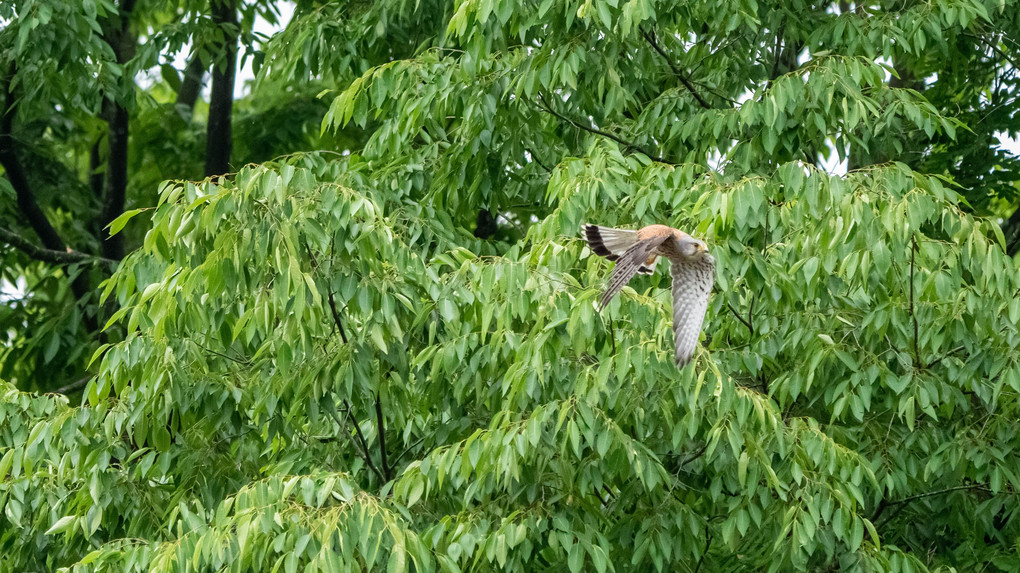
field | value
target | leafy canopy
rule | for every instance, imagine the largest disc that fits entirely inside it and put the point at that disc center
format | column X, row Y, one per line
column 331, row 365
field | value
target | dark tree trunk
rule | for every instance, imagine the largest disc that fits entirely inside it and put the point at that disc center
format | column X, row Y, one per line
column 116, row 181
column 191, row 85
column 123, row 43
column 95, row 174
column 218, row 135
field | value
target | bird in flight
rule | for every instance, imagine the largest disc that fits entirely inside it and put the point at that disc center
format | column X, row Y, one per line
column 692, row 269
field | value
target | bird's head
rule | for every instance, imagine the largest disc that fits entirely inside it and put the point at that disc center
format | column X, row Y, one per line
column 691, row 247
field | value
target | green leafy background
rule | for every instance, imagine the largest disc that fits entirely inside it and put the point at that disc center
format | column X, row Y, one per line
column 322, row 366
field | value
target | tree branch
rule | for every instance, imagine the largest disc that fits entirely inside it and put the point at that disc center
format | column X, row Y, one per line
column 76, row 385
column 381, row 430
column 708, row 544
column 336, row 317
column 909, row 499
column 745, row 322
column 363, row 451
column 913, row 317
column 548, row 109
column 26, row 199
column 650, row 38
column 12, row 165
column 218, row 141
column 191, row 85
column 65, row 257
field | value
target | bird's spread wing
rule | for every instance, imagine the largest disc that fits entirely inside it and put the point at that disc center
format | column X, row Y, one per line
column 692, row 283
column 613, row 243
column 627, row 265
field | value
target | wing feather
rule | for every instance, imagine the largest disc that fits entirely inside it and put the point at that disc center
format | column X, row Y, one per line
column 692, row 283
column 629, row 263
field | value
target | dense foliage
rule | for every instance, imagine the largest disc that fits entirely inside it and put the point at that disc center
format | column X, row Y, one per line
column 381, row 349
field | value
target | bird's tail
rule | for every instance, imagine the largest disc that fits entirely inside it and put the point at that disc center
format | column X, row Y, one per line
column 612, row 243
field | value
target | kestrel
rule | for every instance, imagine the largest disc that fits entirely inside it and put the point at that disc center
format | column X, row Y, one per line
column 692, row 269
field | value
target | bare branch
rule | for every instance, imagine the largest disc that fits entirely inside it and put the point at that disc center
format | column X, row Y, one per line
column 64, row 257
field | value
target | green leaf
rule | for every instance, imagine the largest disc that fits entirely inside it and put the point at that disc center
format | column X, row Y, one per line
column 62, row 524
column 117, row 224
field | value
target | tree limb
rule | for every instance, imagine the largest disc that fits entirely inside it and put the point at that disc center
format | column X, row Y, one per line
column 909, row 499
column 708, row 545
column 548, row 109
column 12, row 165
column 650, row 38
column 76, row 385
column 65, row 257
column 26, row 199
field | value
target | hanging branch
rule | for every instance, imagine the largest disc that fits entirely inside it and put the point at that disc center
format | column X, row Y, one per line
column 708, row 545
column 901, row 502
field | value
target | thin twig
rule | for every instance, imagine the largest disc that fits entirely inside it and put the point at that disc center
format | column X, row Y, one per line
column 534, row 157
column 612, row 335
column 708, row 544
column 396, row 460
column 913, row 250
column 676, row 71
column 361, row 438
column 695, row 455
column 746, row 323
column 548, row 109
column 336, row 317
column 363, row 451
column 73, row 385
column 979, row 486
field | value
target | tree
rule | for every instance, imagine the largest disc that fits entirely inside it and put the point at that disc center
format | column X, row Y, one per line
column 387, row 354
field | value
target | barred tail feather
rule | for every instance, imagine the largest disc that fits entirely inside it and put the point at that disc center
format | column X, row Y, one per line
column 608, row 242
